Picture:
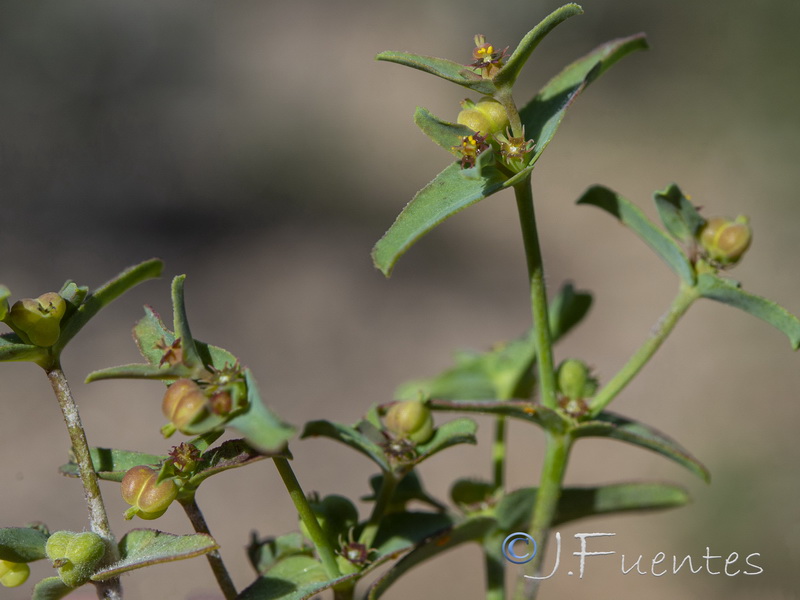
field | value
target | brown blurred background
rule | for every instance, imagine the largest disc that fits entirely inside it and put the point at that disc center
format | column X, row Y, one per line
column 259, row 148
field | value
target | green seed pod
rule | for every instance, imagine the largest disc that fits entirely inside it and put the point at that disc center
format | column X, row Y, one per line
column 75, row 555
column 39, row 319
column 13, row 574
column 575, row 380
column 486, row 117
column 148, row 500
column 725, row 241
column 410, row 419
column 185, row 404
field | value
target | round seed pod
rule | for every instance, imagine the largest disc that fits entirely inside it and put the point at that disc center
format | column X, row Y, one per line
column 185, row 404
column 13, row 574
column 75, row 555
column 725, row 240
column 410, row 419
column 148, row 500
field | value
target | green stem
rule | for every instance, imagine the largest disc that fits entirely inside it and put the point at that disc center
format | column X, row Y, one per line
column 499, row 453
column 495, row 568
column 686, row 296
column 385, row 494
column 533, row 256
column 318, row 537
column 214, row 557
column 98, row 518
column 544, row 511
column 505, row 98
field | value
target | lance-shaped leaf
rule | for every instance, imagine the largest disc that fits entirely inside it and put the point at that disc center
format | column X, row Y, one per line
column 517, row 409
column 510, row 71
column 514, row 510
column 441, row 67
column 111, row 464
column 258, row 424
column 294, row 578
column 458, row 431
column 264, row 553
column 145, row 547
column 566, row 310
column 728, row 292
column 12, row 348
column 616, row 427
column 409, row 488
column 104, row 295
column 22, row 544
column 364, row 437
column 401, row 531
column 542, row 115
column 451, row 192
column 51, row 588
column 679, row 216
column 445, row 134
column 470, row 530
column 164, row 372
column 231, row 454
column 181, row 324
column 631, row 216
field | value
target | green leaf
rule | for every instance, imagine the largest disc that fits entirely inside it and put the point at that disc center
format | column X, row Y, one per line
column 449, row 193
column 22, row 544
column 401, row 531
column 408, row 488
column 363, row 437
column 621, row 428
column 104, row 295
column 514, row 510
column 566, row 310
column 258, row 424
column 458, row 431
column 181, row 324
column 145, row 547
column 542, row 115
column 270, row 587
column 517, row 409
column 141, row 371
column 150, row 332
column 509, row 73
column 228, row 455
column 266, row 552
column 631, row 216
column 728, row 292
column 73, row 293
column 12, row 348
column 679, row 216
column 441, row 67
column 5, row 293
column 445, row 134
column 111, row 464
column 51, row 588
column 470, row 530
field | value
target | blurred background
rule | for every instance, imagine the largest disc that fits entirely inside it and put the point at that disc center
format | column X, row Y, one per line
column 259, row 148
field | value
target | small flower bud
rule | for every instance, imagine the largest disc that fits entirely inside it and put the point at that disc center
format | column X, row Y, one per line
column 39, row 319
column 184, row 404
column 410, row 419
column 148, row 500
column 13, row 574
column 725, row 241
column 574, row 380
column 486, row 117
column 75, row 555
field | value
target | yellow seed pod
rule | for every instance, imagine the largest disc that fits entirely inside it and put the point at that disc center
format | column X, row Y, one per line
column 148, row 500
column 184, row 404
column 39, row 319
column 486, row 117
column 725, row 240
column 13, row 574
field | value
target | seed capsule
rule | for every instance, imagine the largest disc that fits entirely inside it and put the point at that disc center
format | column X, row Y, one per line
column 39, row 319
column 486, row 117
column 13, row 574
column 726, row 240
column 75, row 555
column 148, row 500
column 574, row 379
column 410, row 419
column 184, row 404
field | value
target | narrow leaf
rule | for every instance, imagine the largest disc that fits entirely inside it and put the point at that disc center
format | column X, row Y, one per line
column 228, row 455
column 275, row 588
column 141, row 371
column 445, row 134
column 621, row 428
column 145, row 547
column 542, row 115
column 679, row 216
column 728, row 292
column 458, row 431
column 449, row 193
column 509, row 73
column 106, row 294
column 181, row 324
column 631, row 216
column 401, row 531
column 441, row 67
column 566, row 310
column 261, row 427
column 12, row 348
column 22, row 544
column 351, row 436
column 51, row 588
column 111, row 464
column 517, row 409
column 514, row 510
column 471, row 530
